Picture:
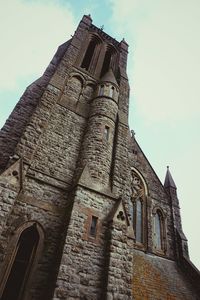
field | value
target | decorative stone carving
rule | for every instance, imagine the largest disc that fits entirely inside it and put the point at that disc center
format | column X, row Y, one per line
column 137, row 186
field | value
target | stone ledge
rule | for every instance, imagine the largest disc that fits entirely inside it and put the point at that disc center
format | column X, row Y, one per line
column 40, row 204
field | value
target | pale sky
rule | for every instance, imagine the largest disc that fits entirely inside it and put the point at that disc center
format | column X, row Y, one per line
column 163, row 70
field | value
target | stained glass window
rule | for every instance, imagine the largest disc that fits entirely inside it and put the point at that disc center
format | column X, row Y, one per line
column 139, row 221
column 158, row 232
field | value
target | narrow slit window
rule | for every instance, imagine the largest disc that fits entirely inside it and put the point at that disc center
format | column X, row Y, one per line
column 93, row 226
column 106, row 133
column 101, row 90
column 111, row 92
column 139, row 219
column 158, row 231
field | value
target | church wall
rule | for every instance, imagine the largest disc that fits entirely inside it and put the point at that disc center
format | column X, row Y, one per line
column 82, row 269
column 47, row 205
column 15, row 125
column 157, row 198
column 157, row 278
column 85, row 262
column 59, row 146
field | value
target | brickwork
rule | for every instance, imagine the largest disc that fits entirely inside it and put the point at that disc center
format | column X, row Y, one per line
column 156, row 278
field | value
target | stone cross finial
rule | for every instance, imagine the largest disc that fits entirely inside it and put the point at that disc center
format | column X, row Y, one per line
column 132, row 133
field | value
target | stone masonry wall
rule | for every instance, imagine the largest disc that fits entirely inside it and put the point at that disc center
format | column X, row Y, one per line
column 59, row 146
column 157, row 197
column 97, row 149
column 46, row 204
column 84, row 266
column 19, row 118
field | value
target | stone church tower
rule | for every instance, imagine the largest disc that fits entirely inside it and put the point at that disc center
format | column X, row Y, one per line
column 82, row 213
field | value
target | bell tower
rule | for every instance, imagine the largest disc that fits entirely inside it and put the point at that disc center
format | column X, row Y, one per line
column 83, row 214
column 61, row 170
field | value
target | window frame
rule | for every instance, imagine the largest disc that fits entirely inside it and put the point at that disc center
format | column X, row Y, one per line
column 142, row 196
column 157, row 211
column 93, row 234
column 11, row 251
column 140, row 244
column 92, row 64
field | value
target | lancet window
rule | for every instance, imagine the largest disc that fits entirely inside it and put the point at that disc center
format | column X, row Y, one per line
column 159, row 231
column 138, row 208
column 109, row 60
column 90, row 53
column 20, row 265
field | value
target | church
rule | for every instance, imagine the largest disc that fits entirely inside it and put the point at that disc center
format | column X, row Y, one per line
column 83, row 215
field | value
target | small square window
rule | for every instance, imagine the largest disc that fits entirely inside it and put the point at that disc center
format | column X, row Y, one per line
column 93, row 226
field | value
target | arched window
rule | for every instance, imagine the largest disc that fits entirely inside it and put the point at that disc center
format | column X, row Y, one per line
column 159, row 231
column 20, row 264
column 138, row 220
column 90, row 52
column 139, row 193
column 108, row 60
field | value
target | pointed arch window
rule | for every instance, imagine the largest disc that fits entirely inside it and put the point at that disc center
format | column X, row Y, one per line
column 139, row 210
column 90, row 53
column 158, row 236
column 159, row 231
column 21, row 264
column 138, row 220
column 109, row 60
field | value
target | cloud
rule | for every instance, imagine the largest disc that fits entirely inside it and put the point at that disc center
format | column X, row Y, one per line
column 30, row 33
column 164, row 55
